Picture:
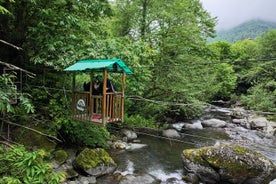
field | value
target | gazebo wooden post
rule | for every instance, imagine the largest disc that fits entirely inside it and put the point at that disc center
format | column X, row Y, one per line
column 123, row 96
column 104, row 97
column 90, row 102
column 73, row 93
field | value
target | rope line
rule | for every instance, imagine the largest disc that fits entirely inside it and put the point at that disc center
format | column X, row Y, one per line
column 203, row 63
column 139, row 98
column 168, row 138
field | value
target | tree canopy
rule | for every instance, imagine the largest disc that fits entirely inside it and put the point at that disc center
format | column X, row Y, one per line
column 163, row 42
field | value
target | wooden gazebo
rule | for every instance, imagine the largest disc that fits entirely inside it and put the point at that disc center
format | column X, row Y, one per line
column 106, row 107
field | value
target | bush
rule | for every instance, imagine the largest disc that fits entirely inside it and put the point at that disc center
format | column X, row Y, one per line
column 85, row 134
column 138, row 121
column 20, row 166
column 259, row 99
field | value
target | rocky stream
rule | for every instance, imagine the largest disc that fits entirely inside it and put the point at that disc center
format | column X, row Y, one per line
column 152, row 157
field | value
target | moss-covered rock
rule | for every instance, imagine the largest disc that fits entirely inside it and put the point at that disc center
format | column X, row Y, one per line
column 60, row 156
column 229, row 163
column 95, row 162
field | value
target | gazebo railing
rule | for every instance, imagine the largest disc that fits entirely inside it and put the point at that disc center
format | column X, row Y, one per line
column 91, row 110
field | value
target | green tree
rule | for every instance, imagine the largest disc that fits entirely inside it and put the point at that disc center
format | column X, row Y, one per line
column 267, row 42
column 176, row 31
column 257, row 77
column 65, row 31
column 220, row 51
column 245, row 50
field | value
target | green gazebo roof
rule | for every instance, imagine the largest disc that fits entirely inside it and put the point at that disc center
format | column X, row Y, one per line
column 113, row 65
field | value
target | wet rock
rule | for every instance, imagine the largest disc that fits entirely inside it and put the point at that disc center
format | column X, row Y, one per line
column 87, row 180
column 196, row 125
column 191, row 178
column 138, row 179
column 172, row 181
column 130, row 134
column 178, row 126
column 243, row 122
column 239, row 121
column 215, row 123
column 228, row 163
column 240, row 113
column 119, row 145
column 134, row 146
column 94, row 162
column 269, row 131
column 171, row 133
column 258, row 122
column 71, row 173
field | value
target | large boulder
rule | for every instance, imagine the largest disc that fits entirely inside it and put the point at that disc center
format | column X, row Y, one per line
column 228, row 163
column 94, row 162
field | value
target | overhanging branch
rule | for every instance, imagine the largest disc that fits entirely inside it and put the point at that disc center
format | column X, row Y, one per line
column 11, row 66
column 41, row 133
column 9, row 44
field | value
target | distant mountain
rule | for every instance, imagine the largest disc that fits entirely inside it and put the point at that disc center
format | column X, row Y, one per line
column 247, row 30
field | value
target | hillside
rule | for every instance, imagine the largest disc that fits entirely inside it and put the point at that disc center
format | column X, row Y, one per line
column 247, row 30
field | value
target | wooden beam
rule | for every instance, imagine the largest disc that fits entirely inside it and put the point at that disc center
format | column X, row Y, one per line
column 73, row 94
column 123, row 96
column 91, row 102
column 104, row 96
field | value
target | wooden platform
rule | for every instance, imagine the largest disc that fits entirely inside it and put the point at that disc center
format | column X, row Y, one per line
column 95, row 119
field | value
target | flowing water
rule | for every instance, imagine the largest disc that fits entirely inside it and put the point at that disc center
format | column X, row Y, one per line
column 161, row 158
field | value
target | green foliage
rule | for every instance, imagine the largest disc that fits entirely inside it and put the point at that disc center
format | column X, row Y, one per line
column 81, row 133
column 260, row 99
column 245, row 50
column 65, row 31
column 267, row 43
column 20, row 166
column 8, row 92
column 220, row 50
column 261, row 95
column 3, row 10
column 138, row 121
column 225, row 81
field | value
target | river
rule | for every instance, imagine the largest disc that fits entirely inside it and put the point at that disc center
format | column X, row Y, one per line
column 161, row 158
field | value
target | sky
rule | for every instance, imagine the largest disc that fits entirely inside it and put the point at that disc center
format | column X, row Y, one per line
column 231, row 13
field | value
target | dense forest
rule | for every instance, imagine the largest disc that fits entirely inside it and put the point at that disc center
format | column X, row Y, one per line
column 247, row 30
column 177, row 72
